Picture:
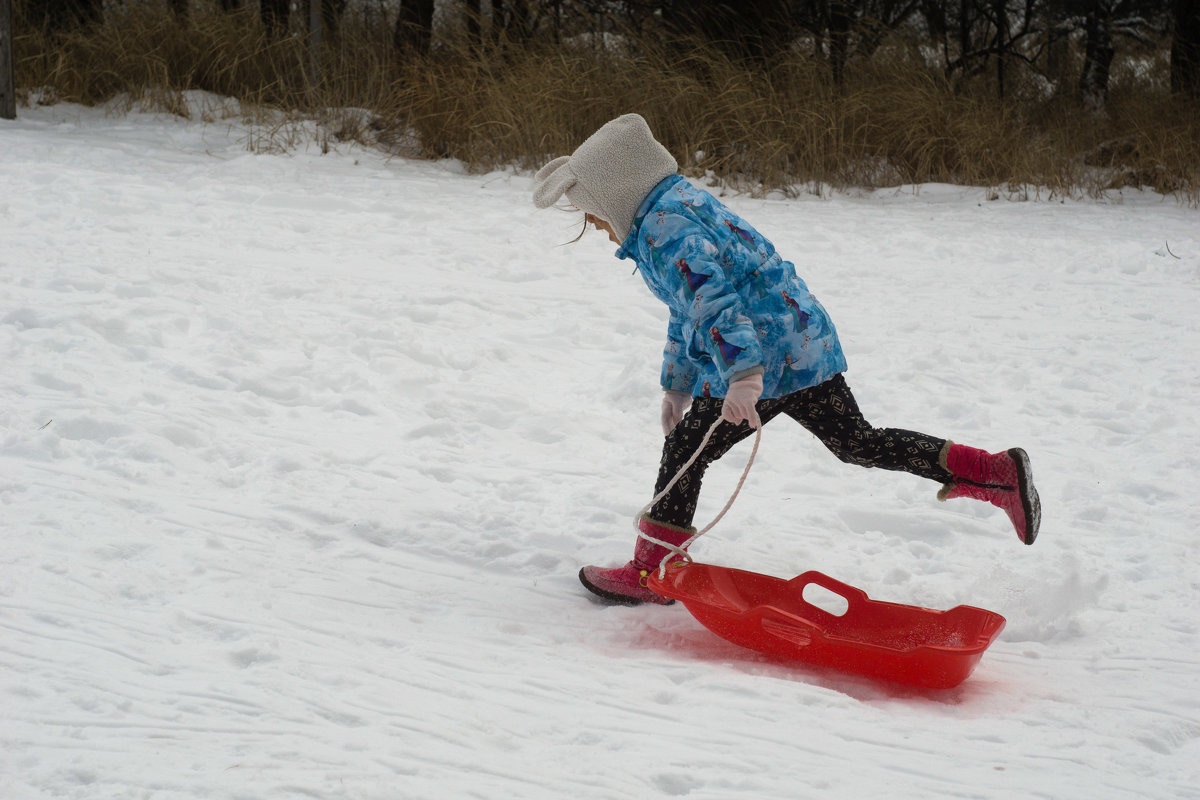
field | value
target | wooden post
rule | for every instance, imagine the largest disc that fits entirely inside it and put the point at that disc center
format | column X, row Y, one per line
column 8, row 94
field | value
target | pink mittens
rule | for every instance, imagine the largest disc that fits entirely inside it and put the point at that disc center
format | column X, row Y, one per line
column 674, row 403
column 740, row 400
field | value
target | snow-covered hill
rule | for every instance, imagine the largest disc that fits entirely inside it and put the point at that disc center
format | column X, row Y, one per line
column 300, row 454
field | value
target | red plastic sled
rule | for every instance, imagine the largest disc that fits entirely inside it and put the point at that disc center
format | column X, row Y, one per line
column 906, row 644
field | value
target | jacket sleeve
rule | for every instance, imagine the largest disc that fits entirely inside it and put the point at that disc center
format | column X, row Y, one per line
column 722, row 329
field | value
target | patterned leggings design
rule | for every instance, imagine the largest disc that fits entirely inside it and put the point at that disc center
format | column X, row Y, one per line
column 828, row 411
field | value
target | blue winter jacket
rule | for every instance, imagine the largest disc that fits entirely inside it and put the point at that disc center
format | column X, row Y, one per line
column 737, row 307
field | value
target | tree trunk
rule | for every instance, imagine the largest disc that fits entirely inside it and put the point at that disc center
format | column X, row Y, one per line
column 1000, row 9
column 1097, row 58
column 179, row 10
column 751, row 30
column 414, row 28
column 1185, row 49
column 840, row 17
column 8, row 94
column 474, row 23
column 520, row 20
column 60, row 16
column 331, row 16
column 960, row 30
column 1057, row 46
column 274, row 16
column 934, row 14
column 964, row 32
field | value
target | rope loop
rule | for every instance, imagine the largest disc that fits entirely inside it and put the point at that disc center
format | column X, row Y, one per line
column 680, row 551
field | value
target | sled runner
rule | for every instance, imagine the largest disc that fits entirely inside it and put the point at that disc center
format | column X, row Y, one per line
column 907, row 644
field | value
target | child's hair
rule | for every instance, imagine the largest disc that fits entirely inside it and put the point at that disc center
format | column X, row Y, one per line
column 582, row 229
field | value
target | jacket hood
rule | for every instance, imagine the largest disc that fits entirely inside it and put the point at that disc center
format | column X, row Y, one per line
column 610, row 174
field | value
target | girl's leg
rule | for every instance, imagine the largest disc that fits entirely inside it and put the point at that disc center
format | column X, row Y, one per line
column 678, row 506
column 670, row 519
column 1003, row 479
column 830, row 412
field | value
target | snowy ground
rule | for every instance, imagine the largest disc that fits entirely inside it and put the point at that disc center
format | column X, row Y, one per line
column 300, row 454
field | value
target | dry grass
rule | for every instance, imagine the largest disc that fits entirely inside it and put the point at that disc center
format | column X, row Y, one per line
column 895, row 121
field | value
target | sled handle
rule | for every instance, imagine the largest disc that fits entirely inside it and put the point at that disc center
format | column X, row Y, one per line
column 853, row 596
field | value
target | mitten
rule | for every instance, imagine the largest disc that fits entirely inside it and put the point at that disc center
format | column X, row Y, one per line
column 674, row 403
column 740, row 400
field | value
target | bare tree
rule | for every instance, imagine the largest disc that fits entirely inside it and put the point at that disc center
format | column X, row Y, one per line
column 1106, row 21
column 331, row 15
column 1097, row 59
column 60, row 16
column 272, row 13
column 1185, row 49
column 8, row 97
column 179, row 9
column 413, row 33
column 751, row 29
column 474, row 11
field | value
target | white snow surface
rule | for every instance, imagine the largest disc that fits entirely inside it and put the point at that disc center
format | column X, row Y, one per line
column 300, row 455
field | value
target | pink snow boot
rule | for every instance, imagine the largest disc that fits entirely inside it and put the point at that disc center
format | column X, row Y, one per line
column 1003, row 479
column 627, row 585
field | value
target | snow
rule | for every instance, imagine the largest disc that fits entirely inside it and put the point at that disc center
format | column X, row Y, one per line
column 300, row 455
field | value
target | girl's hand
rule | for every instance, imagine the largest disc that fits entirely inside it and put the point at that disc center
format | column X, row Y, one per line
column 741, row 399
column 674, row 403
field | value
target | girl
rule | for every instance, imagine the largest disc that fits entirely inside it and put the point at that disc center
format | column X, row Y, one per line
column 746, row 341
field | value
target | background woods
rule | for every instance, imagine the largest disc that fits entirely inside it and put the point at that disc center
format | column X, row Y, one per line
column 1071, row 95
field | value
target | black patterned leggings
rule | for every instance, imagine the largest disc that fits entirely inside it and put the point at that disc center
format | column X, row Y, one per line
column 828, row 411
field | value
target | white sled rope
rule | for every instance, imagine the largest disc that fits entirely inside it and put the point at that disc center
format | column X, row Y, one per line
column 680, row 551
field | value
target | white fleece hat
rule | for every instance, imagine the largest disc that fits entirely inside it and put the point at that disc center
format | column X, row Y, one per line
column 610, row 174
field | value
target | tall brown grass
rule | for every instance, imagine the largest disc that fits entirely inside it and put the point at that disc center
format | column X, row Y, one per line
column 895, row 120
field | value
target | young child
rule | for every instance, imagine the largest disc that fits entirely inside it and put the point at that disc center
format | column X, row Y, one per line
column 746, row 341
